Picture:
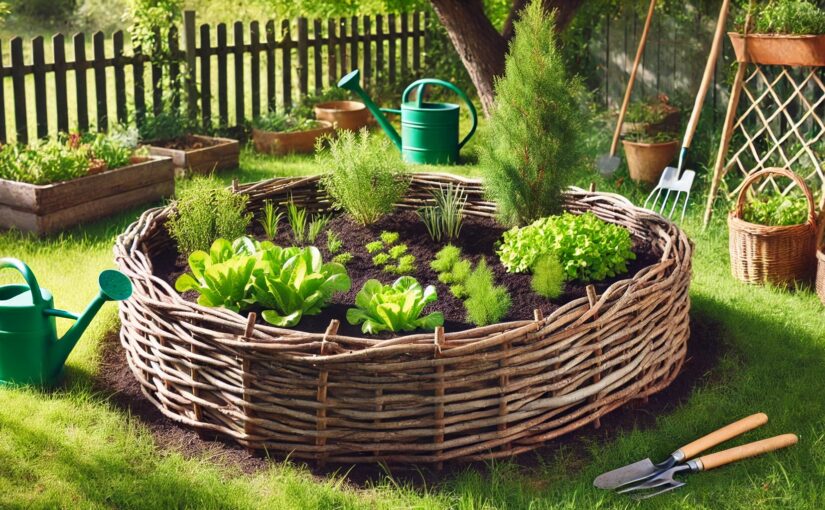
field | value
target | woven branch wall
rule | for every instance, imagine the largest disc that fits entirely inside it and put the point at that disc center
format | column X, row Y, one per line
column 482, row 393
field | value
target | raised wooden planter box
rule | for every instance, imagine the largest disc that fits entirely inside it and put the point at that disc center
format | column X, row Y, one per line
column 298, row 142
column 49, row 208
column 218, row 154
column 782, row 50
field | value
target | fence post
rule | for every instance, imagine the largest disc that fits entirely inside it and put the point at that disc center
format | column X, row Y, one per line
column 19, row 82
column 39, row 68
column 2, row 106
column 120, row 77
column 191, row 84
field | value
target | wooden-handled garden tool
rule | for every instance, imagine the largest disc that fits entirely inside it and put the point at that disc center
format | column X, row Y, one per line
column 644, row 469
column 678, row 180
column 610, row 162
column 665, row 481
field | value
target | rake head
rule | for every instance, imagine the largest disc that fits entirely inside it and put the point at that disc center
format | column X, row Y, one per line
column 671, row 183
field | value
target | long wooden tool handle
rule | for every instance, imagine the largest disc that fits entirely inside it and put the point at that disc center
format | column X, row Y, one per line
column 715, row 460
column 629, row 91
column 736, row 428
column 707, row 78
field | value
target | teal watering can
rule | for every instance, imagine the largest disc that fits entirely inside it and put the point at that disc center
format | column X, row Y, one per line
column 30, row 352
column 429, row 131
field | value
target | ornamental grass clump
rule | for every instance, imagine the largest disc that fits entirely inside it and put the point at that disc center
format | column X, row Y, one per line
column 532, row 145
column 206, row 211
column 588, row 248
column 365, row 175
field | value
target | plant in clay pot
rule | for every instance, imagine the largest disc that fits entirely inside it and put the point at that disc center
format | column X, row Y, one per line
column 295, row 132
column 651, row 116
column 648, row 155
column 334, row 106
column 781, row 32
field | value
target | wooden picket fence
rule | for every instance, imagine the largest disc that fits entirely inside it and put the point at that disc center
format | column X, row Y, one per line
column 298, row 57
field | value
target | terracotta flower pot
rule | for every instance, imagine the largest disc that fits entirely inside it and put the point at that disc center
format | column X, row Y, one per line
column 351, row 115
column 273, row 142
column 645, row 161
column 779, row 49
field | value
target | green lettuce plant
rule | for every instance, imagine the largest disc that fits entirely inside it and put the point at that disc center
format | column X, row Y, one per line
column 777, row 210
column 395, row 307
column 588, row 248
column 299, row 285
column 221, row 276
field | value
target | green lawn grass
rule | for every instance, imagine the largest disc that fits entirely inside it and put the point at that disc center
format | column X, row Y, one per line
column 73, row 448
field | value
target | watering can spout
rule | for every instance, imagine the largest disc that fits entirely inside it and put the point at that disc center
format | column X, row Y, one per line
column 352, row 82
column 114, row 286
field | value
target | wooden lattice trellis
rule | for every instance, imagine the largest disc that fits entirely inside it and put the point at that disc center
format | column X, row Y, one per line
column 780, row 124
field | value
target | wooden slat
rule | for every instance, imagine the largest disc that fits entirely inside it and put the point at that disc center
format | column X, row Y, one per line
column 353, row 44
column 379, row 48
column 157, row 79
column 39, row 72
column 417, row 43
column 255, row 67
column 206, row 77
column 174, row 69
column 271, row 78
column 19, row 86
column 286, row 63
column 81, row 89
column 367, row 69
column 101, row 100
column 190, row 76
column 60, row 85
column 120, row 78
column 139, row 84
column 405, row 48
column 240, row 91
column 223, row 101
column 303, row 57
column 392, row 53
column 3, row 135
column 317, row 59
column 332, row 60
column 342, row 46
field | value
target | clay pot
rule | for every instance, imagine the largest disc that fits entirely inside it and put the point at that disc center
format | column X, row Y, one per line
column 645, row 161
column 273, row 142
column 779, row 49
column 351, row 115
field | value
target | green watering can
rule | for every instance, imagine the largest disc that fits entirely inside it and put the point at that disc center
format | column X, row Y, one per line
column 429, row 131
column 30, row 352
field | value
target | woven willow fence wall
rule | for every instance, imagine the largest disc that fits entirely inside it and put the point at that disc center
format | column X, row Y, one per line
column 425, row 398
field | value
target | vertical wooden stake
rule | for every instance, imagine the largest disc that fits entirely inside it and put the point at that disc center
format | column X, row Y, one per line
column 246, row 364
column 323, row 379
column 592, row 187
column 439, row 394
column 592, row 298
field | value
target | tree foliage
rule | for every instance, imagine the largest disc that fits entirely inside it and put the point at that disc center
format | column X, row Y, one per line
column 532, row 143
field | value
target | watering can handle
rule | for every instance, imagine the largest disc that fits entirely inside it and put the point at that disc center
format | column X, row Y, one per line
column 460, row 93
column 31, row 281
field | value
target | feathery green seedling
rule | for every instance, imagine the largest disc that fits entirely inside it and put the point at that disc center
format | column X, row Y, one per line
column 398, row 250
column 297, row 217
column 334, row 242
column 389, row 238
column 487, row 302
column 374, row 246
column 445, row 259
column 380, row 259
column 343, row 258
column 548, row 277
column 271, row 219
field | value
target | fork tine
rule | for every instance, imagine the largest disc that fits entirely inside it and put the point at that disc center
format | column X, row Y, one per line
column 675, row 203
column 670, row 487
column 645, row 485
column 657, row 191
column 664, row 202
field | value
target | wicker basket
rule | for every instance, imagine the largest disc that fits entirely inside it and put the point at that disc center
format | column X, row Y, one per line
column 477, row 394
column 771, row 254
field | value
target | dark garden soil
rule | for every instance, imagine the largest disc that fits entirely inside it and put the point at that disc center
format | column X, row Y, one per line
column 184, row 143
column 478, row 238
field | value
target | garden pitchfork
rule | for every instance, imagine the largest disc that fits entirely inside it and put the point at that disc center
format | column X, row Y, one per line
column 678, row 179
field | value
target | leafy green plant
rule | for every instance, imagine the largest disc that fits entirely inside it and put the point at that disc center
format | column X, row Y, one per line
column 298, row 286
column 445, row 219
column 164, row 126
column 306, row 108
column 395, row 307
column 587, row 247
column 486, row 302
column 792, row 17
column 343, row 258
column 44, row 162
column 270, row 220
column 532, row 145
column 379, row 259
column 297, row 218
column 548, row 277
column 366, row 176
column 389, row 238
column 284, row 123
column 445, row 258
column 405, row 265
column 777, row 210
column 207, row 211
column 649, row 111
column 220, row 276
column 374, row 246
column 398, row 250
column 112, row 151
column 334, row 243
column 316, row 226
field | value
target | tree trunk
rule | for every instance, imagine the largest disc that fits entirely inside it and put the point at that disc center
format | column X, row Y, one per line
column 477, row 42
column 481, row 47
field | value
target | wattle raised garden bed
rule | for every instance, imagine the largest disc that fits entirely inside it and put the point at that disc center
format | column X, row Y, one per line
column 463, row 394
column 201, row 155
column 48, row 208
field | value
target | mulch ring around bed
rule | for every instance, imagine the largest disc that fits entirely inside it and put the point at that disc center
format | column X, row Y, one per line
column 477, row 240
